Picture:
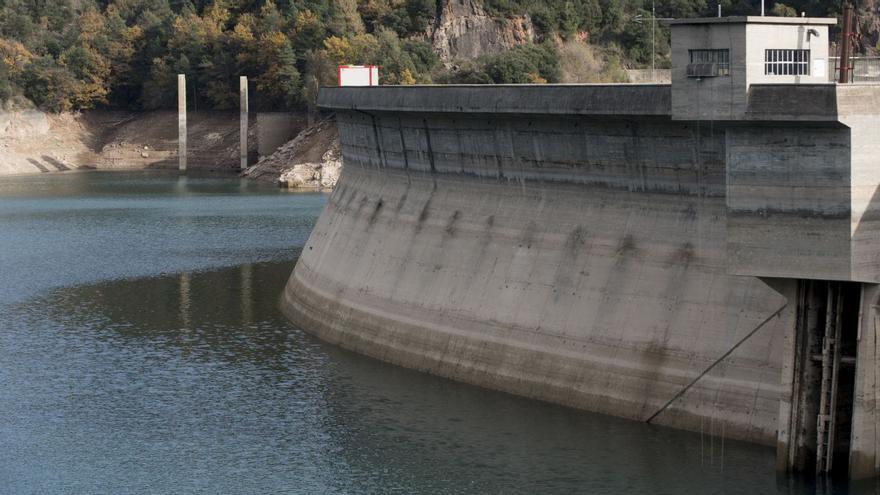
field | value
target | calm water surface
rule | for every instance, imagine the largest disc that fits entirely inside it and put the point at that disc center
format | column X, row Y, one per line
column 142, row 351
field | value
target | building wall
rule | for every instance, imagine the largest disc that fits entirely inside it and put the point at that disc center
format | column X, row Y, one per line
column 775, row 36
column 710, row 98
column 727, row 97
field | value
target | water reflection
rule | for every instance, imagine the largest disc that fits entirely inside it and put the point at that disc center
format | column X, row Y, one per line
column 196, row 383
column 87, row 227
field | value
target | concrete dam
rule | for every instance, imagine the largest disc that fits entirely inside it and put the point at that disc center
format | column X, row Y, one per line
column 701, row 253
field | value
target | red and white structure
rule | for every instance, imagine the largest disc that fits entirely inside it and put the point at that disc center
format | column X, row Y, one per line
column 358, row 75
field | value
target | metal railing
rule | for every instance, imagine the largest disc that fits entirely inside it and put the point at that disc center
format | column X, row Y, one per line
column 864, row 69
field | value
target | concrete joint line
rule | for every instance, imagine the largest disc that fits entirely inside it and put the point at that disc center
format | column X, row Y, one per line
column 716, row 362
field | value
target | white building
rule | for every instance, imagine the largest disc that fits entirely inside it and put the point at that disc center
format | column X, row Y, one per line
column 715, row 61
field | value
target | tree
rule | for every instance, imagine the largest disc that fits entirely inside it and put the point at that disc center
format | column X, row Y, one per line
column 7, row 90
column 308, row 31
column 346, row 19
column 524, row 64
column 782, row 10
column 279, row 80
column 49, row 86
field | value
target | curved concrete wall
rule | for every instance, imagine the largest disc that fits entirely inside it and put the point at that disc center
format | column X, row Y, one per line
column 577, row 259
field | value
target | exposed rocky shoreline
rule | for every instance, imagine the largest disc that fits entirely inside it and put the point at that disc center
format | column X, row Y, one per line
column 34, row 142
column 312, row 160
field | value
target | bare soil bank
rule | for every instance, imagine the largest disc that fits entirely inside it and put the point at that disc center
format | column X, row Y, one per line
column 35, row 142
column 312, row 160
column 32, row 142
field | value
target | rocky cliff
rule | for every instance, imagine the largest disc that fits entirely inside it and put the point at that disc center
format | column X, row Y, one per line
column 463, row 30
column 312, row 160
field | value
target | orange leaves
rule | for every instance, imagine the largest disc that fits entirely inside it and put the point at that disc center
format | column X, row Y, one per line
column 14, row 56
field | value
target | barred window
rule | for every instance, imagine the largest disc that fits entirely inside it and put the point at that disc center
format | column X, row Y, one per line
column 787, row 62
column 721, row 58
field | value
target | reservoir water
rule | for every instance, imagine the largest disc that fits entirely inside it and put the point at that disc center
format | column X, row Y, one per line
column 142, row 351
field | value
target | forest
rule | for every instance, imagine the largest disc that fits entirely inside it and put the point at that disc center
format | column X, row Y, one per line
column 65, row 55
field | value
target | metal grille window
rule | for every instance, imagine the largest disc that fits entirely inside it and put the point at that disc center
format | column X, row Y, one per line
column 787, row 62
column 720, row 59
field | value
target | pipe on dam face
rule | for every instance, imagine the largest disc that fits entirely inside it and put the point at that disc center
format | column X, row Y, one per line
column 576, row 259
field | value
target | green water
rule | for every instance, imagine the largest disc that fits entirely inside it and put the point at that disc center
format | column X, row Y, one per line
column 142, row 351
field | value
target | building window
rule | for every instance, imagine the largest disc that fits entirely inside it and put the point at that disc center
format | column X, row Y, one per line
column 787, row 62
column 719, row 58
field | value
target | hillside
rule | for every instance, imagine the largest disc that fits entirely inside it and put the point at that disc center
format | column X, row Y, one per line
column 125, row 54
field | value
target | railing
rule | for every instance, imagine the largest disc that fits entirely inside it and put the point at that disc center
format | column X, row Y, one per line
column 864, row 69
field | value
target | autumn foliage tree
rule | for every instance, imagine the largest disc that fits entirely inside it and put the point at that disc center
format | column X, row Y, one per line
column 79, row 54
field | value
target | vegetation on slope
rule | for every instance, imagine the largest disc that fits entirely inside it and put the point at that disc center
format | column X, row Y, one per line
column 77, row 54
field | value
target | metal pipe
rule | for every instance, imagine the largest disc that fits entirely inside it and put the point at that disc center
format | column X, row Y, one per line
column 845, row 45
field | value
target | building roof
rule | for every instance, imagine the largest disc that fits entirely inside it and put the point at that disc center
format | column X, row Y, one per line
column 753, row 19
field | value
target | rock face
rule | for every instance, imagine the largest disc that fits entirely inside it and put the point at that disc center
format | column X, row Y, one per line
column 35, row 142
column 23, row 124
column 321, row 175
column 312, row 160
column 465, row 30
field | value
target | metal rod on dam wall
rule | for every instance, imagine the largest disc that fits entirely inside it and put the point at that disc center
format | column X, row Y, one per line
column 715, row 363
column 181, row 122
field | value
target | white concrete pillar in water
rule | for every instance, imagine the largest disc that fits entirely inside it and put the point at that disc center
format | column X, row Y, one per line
column 243, row 129
column 181, row 122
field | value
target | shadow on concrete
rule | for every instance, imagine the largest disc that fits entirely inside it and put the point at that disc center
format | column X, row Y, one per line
column 60, row 166
column 39, row 165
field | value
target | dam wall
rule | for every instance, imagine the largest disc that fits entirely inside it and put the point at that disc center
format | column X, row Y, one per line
column 703, row 254
column 577, row 255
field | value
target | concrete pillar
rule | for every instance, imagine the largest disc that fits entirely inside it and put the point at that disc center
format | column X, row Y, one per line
column 786, row 434
column 864, row 458
column 243, row 129
column 181, row 122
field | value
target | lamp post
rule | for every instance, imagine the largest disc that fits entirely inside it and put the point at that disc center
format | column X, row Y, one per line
column 638, row 19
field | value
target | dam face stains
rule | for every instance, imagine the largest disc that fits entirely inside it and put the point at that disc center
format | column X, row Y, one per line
column 430, row 148
column 423, row 215
column 575, row 245
column 529, row 235
column 375, row 213
column 450, row 226
column 401, row 202
column 685, row 254
column 361, row 204
column 576, row 241
column 626, row 246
